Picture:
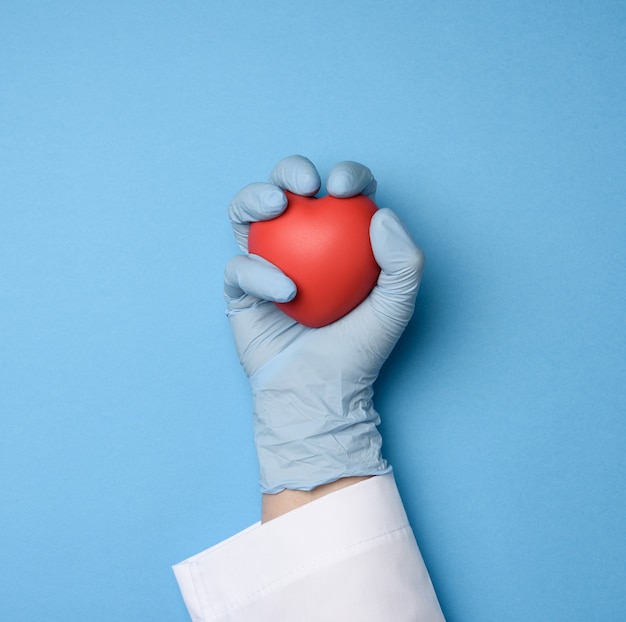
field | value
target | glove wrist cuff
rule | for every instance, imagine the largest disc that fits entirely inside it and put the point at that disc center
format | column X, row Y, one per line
column 304, row 443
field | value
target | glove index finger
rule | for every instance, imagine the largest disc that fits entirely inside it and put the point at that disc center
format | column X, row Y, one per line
column 347, row 179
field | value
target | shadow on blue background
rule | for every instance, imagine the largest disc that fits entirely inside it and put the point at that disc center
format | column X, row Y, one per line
column 496, row 131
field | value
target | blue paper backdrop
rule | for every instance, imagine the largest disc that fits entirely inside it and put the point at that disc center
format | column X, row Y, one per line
column 497, row 132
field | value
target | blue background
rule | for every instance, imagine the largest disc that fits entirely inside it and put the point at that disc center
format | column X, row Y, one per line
column 497, row 132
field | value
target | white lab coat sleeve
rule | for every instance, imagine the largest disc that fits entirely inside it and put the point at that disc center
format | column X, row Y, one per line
column 350, row 555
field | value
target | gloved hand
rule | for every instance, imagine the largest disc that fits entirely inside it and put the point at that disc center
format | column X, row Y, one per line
column 314, row 420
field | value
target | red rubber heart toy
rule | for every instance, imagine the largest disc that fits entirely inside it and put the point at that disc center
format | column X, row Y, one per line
column 323, row 245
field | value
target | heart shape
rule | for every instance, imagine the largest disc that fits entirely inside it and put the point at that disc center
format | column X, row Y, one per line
column 324, row 246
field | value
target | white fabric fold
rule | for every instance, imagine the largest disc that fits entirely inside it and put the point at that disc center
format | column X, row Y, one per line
column 350, row 555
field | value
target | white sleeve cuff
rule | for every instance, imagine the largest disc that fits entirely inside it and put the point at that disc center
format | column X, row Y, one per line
column 350, row 555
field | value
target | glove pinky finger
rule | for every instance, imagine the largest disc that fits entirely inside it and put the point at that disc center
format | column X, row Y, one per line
column 250, row 278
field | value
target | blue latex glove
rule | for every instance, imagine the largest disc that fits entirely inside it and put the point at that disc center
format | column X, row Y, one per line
column 314, row 420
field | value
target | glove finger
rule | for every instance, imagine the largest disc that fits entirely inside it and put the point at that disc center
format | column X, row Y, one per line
column 250, row 279
column 401, row 263
column 254, row 202
column 347, row 179
column 296, row 174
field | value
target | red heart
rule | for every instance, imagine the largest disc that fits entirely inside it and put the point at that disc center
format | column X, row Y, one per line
column 323, row 245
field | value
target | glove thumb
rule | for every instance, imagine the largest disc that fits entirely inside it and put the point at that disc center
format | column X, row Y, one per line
column 401, row 262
